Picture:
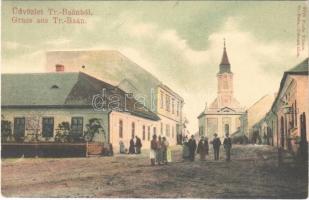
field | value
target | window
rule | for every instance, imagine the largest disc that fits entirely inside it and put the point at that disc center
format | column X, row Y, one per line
column 167, row 101
column 173, row 109
column 154, row 130
column 77, row 125
column 201, row 131
column 120, row 129
column 225, row 84
column 133, row 130
column 161, row 131
column 167, row 132
column 48, row 126
column 177, row 108
column 19, row 126
column 226, row 128
column 161, row 100
column 144, row 133
column 148, row 133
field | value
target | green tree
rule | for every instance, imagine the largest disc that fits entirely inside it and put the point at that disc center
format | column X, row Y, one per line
column 93, row 127
column 63, row 132
column 6, row 130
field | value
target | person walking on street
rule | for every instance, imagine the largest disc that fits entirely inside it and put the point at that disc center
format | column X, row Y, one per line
column 159, row 152
column 216, row 145
column 131, row 147
column 227, row 143
column 138, row 145
column 165, row 145
column 192, row 148
column 134, row 144
column 202, row 148
column 122, row 148
column 153, row 149
column 185, row 150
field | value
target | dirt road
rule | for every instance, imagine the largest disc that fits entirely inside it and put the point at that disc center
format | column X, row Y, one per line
column 252, row 173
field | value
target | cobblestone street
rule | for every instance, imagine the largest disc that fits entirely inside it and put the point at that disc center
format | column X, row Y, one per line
column 252, row 173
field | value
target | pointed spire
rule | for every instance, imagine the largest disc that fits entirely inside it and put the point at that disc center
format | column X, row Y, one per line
column 225, row 59
column 225, row 63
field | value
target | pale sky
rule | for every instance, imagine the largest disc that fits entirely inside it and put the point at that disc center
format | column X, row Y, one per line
column 181, row 43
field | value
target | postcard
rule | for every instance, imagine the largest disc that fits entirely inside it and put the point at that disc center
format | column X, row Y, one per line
column 154, row 99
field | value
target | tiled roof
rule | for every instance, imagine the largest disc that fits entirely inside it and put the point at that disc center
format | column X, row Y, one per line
column 300, row 69
column 75, row 89
column 225, row 66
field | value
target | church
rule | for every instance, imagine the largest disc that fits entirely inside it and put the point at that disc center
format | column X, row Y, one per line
column 223, row 114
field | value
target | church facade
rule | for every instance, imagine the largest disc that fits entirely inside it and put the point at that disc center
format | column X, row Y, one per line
column 223, row 114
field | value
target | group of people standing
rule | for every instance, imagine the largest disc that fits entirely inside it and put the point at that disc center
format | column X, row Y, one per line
column 135, row 145
column 159, row 151
column 190, row 147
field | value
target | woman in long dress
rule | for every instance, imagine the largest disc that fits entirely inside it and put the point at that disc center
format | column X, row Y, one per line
column 185, row 150
column 153, row 149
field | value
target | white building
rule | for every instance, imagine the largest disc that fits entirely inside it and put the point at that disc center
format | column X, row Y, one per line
column 223, row 114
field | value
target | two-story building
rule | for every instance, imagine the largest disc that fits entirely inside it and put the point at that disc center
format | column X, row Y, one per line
column 131, row 78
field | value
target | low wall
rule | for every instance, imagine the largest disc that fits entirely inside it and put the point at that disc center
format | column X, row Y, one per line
column 50, row 149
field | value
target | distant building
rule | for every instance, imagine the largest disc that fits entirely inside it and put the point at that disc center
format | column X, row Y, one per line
column 223, row 114
column 130, row 77
column 252, row 117
column 288, row 116
column 36, row 104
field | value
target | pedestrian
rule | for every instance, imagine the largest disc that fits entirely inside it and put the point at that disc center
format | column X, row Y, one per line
column 122, row 148
column 138, row 145
column 165, row 145
column 159, row 152
column 227, row 143
column 185, row 150
column 134, row 144
column 192, row 148
column 202, row 148
column 153, row 149
column 131, row 147
column 216, row 145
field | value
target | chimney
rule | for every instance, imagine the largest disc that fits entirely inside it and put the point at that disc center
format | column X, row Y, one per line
column 59, row 68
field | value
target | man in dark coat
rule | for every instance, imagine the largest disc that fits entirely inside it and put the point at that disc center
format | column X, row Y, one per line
column 202, row 148
column 131, row 147
column 192, row 148
column 227, row 143
column 138, row 145
column 216, row 145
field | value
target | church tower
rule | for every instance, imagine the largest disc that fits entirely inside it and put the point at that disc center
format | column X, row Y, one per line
column 223, row 114
column 225, row 82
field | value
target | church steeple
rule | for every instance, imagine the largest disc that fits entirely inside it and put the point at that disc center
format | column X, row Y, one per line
column 225, row 65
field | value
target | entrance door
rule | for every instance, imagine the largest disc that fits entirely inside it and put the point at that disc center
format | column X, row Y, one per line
column 303, row 138
column 282, row 132
column 227, row 129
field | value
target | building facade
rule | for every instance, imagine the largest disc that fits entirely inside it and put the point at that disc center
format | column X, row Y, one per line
column 252, row 117
column 131, row 78
column 36, row 110
column 288, row 115
column 223, row 114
